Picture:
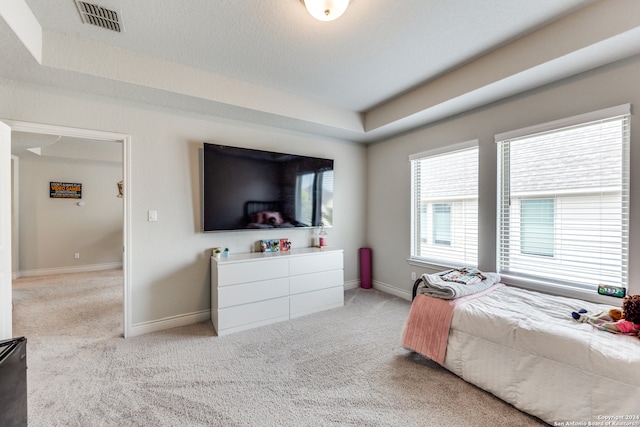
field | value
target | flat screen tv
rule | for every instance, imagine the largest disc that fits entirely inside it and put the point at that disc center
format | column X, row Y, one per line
column 245, row 189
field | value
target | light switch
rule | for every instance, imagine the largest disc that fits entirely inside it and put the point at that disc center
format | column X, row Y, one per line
column 153, row 215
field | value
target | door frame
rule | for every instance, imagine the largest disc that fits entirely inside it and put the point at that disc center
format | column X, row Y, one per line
column 6, row 306
column 125, row 140
column 15, row 215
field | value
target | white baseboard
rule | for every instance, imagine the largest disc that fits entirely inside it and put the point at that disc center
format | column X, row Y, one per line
column 65, row 270
column 392, row 290
column 169, row 323
column 383, row 287
column 351, row 284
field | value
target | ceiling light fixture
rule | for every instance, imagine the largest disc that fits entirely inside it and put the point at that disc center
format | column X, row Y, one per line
column 326, row 10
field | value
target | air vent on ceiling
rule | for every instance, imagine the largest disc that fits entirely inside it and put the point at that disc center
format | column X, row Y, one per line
column 99, row 16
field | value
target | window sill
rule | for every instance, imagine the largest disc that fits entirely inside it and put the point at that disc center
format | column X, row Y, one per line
column 564, row 291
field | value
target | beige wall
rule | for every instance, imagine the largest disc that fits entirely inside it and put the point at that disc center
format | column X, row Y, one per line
column 53, row 230
column 170, row 258
column 388, row 230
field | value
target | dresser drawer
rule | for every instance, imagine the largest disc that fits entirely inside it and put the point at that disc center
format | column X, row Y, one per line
column 315, row 263
column 314, row 282
column 245, row 293
column 239, row 317
column 311, row 302
column 247, row 272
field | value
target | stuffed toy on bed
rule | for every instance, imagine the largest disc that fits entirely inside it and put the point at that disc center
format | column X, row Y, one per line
column 625, row 321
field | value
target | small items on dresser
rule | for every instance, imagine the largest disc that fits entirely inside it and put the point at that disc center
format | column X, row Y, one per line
column 322, row 237
column 275, row 245
column 217, row 252
column 285, row 245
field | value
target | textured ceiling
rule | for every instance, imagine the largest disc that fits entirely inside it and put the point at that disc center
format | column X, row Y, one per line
column 376, row 50
column 269, row 62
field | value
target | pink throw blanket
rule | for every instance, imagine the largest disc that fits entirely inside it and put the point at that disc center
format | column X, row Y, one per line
column 427, row 327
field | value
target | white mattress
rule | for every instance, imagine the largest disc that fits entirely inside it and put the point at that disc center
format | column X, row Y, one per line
column 525, row 348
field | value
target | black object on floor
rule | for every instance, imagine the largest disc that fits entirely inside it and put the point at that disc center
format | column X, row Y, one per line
column 13, row 382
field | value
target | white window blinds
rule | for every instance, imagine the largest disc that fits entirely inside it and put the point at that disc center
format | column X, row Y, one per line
column 444, row 220
column 563, row 201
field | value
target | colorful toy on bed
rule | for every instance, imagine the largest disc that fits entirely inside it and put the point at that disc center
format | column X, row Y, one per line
column 625, row 321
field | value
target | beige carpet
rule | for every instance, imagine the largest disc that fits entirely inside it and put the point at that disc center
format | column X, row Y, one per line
column 343, row 367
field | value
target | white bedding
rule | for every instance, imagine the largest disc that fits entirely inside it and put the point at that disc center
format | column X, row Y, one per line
column 525, row 348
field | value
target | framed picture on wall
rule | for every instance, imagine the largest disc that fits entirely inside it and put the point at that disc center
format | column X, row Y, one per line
column 65, row 190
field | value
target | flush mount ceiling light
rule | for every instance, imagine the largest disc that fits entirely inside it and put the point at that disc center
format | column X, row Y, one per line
column 326, row 10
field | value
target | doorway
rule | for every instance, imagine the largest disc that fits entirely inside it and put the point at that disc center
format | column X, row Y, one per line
column 94, row 137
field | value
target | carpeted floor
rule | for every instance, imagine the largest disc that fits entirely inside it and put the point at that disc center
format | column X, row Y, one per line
column 343, row 367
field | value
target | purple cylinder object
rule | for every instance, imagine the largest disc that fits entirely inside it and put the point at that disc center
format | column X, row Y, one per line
column 365, row 268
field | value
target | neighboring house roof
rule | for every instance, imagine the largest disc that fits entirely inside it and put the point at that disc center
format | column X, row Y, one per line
column 566, row 160
column 444, row 176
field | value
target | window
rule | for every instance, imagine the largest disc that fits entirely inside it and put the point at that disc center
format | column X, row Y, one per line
column 442, row 224
column 536, row 226
column 563, row 202
column 444, row 220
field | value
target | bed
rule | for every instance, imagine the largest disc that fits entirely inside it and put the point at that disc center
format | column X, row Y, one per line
column 525, row 348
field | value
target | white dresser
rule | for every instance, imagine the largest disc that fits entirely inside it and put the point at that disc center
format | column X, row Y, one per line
column 255, row 289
